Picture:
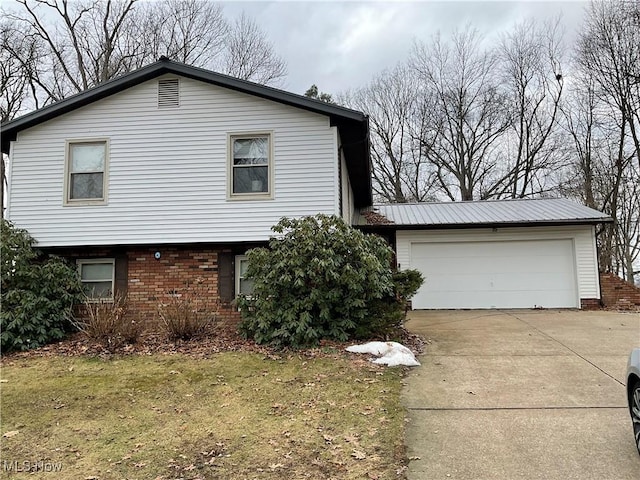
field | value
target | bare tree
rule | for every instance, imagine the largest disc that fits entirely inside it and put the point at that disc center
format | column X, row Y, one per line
column 188, row 31
column 628, row 227
column 249, row 55
column 468, row 114
column 82, row 44
column 532, row 80
column 586, row 145
column 390, row 99
column 596, row 172
column 609, row 49
column 601, row 119
column 18, row 53
column 86, row 42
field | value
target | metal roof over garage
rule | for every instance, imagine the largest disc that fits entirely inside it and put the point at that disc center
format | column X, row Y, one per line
column 547, row 211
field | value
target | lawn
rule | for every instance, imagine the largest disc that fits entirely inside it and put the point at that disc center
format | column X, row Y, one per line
column 235, row 415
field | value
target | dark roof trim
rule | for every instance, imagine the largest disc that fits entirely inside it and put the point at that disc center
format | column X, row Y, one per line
column 164, row 66
column 353, row 125
column 459, row 226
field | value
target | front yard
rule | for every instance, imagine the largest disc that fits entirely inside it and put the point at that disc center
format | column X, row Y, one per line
column 235, row 415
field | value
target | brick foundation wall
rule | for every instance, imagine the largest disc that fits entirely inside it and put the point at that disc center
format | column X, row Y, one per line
column 179, row 271
column 590, row 303
column 149, row 281
column 617, row 293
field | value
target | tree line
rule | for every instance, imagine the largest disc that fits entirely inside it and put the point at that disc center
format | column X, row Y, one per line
column 460, row 119
column 521, row 117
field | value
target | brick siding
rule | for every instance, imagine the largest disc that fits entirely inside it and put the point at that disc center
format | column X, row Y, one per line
column 178, row 271
column 590, row 303
column 617, row 293
column 151, row 281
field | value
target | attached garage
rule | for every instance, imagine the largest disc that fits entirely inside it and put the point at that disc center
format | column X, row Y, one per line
column 495, row 274
column 496, row 254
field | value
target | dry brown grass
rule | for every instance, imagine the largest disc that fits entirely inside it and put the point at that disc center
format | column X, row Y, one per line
column 108, row 323
column 235, row 415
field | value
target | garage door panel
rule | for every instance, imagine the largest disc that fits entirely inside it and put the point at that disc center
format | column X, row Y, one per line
column 510, row 274
column 496, row 282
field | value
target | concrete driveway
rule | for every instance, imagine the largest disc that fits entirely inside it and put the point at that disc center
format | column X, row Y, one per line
column 521, row 394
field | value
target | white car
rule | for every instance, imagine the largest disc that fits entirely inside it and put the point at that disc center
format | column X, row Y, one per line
column 633, row 393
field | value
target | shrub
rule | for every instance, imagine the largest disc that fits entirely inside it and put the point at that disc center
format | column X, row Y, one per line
column 107, row 322
column 389, row 313
column 38, row 292
column 406, row 284
column 318, row 279
column 188, row 313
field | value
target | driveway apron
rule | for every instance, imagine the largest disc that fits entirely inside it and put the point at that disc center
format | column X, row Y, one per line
column 521, row 394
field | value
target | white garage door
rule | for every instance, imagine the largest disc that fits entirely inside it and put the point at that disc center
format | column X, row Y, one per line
column 505, row 274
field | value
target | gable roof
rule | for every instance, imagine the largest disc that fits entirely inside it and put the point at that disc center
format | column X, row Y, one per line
column 487, row 213
column 352, row 125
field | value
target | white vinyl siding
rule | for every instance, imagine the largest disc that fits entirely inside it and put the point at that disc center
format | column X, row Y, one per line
column 581, row 237
column 167, row 178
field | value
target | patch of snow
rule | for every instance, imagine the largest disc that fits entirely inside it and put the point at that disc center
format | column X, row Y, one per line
column 389, row 353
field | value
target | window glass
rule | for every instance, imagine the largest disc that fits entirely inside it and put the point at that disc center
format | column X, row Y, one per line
column 86, row 185
column 98, row 289
column 251, row 180
column 250, row 165
column 97, row 278
column 245, row 285
column 86, row 170
column 97, row 271
column 87, row 157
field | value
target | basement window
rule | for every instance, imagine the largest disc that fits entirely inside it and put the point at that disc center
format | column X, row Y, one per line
column 97, row 277
column 244, row 285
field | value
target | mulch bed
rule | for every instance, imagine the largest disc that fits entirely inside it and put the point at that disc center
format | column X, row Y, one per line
column 221, row 339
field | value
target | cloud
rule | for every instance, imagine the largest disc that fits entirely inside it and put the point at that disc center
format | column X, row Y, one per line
column 342, row 45
column 364, row 26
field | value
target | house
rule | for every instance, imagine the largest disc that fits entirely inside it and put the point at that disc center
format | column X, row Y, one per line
column 167, row 175
column 170, row 173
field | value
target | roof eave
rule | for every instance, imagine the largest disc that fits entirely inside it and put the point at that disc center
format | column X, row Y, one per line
column 336, row 113
column 458, row 226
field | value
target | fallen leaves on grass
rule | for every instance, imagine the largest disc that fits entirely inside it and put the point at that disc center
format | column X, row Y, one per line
column 316, row 409
column 358, row 454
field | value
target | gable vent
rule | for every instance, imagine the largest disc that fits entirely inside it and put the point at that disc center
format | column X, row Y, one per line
column 168, row 93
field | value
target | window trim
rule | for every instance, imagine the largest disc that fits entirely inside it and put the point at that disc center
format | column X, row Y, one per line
column 68, row 201
column 269, row 194
column 92, row 261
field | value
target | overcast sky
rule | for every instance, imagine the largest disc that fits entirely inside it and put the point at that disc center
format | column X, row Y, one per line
column 340, row 45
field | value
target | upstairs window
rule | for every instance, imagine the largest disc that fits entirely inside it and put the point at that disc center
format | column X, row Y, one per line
column 250, row 166
column 86, row 172
column 97, row 277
